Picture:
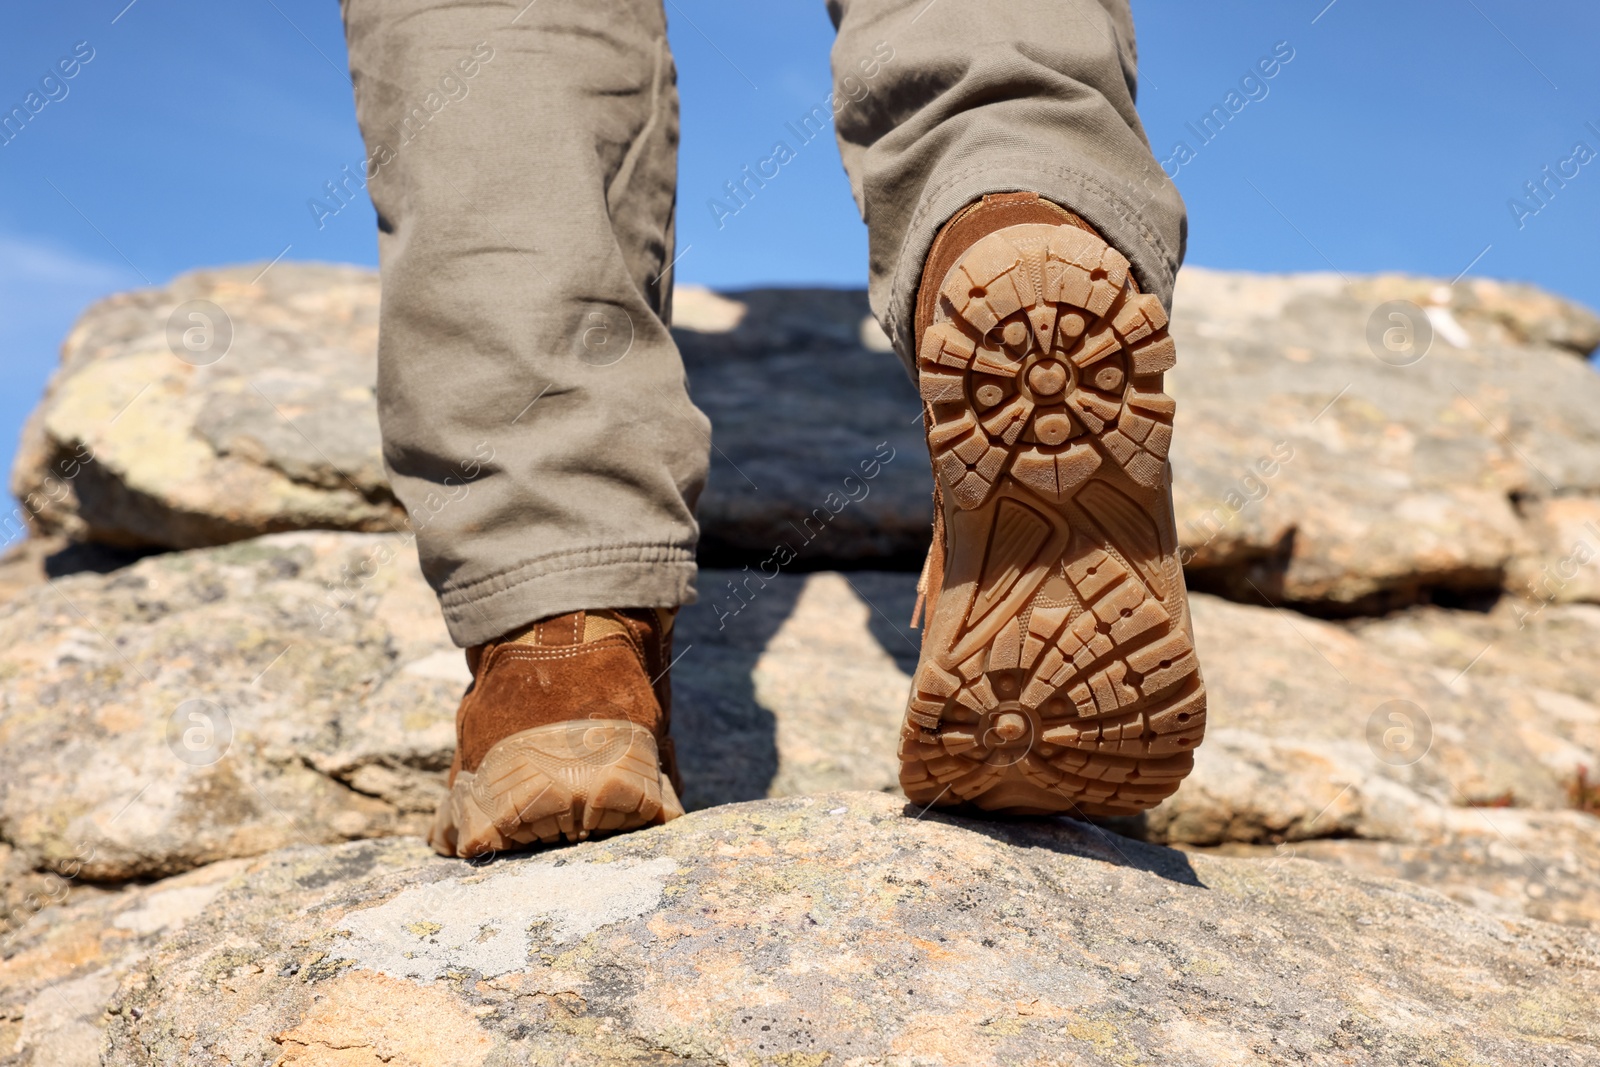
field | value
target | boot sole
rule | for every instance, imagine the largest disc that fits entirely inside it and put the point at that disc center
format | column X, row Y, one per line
column 564, row 781
column 1058, row 669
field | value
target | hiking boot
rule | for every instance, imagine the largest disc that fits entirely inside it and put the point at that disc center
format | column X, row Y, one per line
column 1057, row 671
column 563, row 734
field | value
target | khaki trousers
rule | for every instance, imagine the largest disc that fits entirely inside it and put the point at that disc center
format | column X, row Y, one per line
column 522, row 159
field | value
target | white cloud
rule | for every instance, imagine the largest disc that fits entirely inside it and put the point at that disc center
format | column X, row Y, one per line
column 26, row 261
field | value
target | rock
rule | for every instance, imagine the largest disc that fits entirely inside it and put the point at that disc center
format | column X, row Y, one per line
column 22, row 566
column 789, row 685
column 59, row 971
column 1565, row 566
column 1308, row 471
column 791, row 688
column 1298, row 766
column 326, row 688
column 1545, row 652
column 214, row 410
column 818, row 440
column 200, row 706
column 34, row 560
column 212, row 760
column 25, row 891
column 273, row 426
column 321, row 659
column 1506, row 861
column 1318, row 731
column 1500, row 313
column 836, row 928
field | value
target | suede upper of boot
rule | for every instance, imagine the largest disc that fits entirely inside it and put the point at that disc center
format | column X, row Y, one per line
column 604, row 665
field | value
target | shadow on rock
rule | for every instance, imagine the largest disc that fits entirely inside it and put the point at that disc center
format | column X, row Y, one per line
column 81, row 557
column 727, row 742
column 1072, row 837
column 891, row 597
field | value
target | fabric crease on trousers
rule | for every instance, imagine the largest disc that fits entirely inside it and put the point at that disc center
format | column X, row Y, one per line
column 522, row 161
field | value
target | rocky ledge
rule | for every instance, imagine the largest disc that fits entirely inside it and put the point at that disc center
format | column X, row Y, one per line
column 842, row 928
column 1314, row 465
column 324, row 721
column 213, row 760
column 221, row 703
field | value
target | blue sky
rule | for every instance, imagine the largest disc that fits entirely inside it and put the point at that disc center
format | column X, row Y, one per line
column 1393, row 140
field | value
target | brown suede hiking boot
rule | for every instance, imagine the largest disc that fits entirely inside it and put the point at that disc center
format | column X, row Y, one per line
column 1058, row 669
column 563, row 734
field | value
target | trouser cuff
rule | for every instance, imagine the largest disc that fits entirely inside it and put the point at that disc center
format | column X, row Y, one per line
column 623, row 576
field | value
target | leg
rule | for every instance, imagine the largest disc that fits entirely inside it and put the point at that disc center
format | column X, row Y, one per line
column 534, row 410
column 1024, row 243
column 535, row 416
column 949, row 100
